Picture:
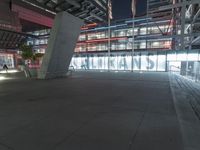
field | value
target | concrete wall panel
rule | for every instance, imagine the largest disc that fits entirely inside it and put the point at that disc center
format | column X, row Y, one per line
column 61, row 45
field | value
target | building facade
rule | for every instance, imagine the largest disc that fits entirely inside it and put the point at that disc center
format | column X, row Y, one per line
column 168, row 35
column 153, row 46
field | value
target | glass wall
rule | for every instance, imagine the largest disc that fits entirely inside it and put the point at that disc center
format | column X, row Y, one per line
column 144, row 61
column 7, row 59
column 121, row 38
column 125, row 44
column 121, row 61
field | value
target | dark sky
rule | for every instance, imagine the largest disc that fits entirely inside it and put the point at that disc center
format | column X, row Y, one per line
column 122, row 8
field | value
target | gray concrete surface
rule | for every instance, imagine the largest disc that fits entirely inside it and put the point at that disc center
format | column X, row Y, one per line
column 186, row 100
column 89, row 111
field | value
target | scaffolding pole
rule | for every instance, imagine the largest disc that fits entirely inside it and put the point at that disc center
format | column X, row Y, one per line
column 109, row 43
column 183, row 10
column 133, row 44
column 133, row 35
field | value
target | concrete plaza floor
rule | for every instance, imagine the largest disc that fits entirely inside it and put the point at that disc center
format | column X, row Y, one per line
column 89, row 111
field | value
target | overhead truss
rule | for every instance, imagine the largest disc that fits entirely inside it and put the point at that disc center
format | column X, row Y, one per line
column 89, row 10
column 12, row 39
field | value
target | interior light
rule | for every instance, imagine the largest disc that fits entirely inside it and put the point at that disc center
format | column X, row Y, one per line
column 9, row 71
column 2, row 78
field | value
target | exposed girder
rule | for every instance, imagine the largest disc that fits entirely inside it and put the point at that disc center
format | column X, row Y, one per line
column 96, row 9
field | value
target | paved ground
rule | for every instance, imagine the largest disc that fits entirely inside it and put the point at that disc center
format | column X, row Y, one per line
column 89, row 111
column 187, row 103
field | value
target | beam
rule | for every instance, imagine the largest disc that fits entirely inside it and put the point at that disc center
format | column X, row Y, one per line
column 58, row 4
column 20, row 33
column 96, row 16
column 183, row 11
column 195, row 40
column 98, row 6
column 46, row 2
column 160, row 36
column 196, row 16
column 177, row 5
column 74, row 3
column 82, row 5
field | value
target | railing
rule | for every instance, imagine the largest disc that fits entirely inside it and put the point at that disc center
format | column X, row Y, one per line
column 192, row 74
column 174, row 69
column 192, row 91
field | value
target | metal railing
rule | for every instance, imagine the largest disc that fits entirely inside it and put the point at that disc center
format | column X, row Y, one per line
column 192, row 92
column 192, row 74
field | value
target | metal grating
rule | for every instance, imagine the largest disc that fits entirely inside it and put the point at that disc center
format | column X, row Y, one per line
column 12, row 39
column 89, row 10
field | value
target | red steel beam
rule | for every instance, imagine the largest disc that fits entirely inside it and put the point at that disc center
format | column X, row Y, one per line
column 32, row 16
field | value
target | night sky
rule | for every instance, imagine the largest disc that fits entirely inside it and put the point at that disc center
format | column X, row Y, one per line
column 122, row 8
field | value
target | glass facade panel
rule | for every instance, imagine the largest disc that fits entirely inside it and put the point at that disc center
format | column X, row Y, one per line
column 174, row 66
column 82, row 37
column 7, row 59
column 171, row 56
column 161, row 62
column 136, row 62
column 93, row 63
column 192, row 56
column 144, row 62
column 79, row 62
column 101, row 63
column 124, row 62
column 113, row 63
column 152, row 61
column 106, row 62
column 181, row 56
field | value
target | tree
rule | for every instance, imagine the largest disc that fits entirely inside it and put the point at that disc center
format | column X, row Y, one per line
column 27, row 52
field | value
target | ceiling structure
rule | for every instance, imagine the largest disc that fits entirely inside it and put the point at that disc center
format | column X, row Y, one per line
column 11, row 39
column 39, row 14
column 88, row 10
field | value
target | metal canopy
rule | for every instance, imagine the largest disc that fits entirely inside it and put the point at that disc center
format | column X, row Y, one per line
column 89, row 10
column 12, row 39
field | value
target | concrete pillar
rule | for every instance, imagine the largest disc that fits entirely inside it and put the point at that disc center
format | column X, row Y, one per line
column 62, row 42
